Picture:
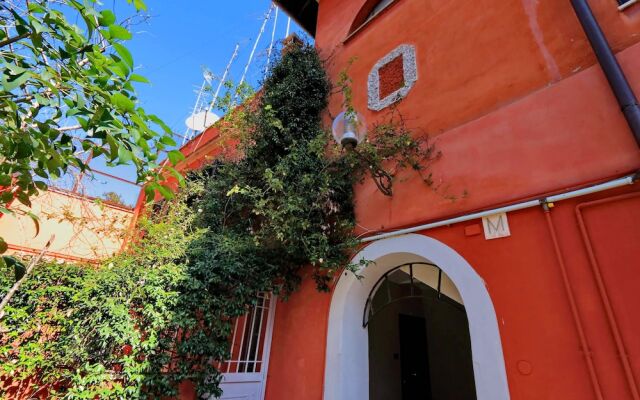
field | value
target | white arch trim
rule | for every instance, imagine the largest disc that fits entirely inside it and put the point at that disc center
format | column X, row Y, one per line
column 347, row 357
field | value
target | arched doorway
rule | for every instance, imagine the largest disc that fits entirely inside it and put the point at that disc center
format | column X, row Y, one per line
column 348, row 344
column 419, row 345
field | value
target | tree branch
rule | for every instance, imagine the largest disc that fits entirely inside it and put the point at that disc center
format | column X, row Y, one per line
column 14, row 39
column 69, row 128
column 35, row 260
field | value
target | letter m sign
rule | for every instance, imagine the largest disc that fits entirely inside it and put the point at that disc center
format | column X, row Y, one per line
column 496, row 226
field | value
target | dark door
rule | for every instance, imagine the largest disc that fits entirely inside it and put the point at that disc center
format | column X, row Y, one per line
column 414, row 359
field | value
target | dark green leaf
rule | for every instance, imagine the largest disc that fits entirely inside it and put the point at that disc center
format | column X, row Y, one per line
column 124, row 54
column 23, row 198
column 181, row 181
column 5, row 180
column 23, row 150
column 175, row 156
column 124, row 155
column 107, row 17
column 140, row 5
column 19, row 269
column 138, row 78
column 36, row 8
column 36, row 222
column 119, row 32
column 15, row 81
column 122, row 102
column 41, row 185
column 165, row 191
column 168, row 140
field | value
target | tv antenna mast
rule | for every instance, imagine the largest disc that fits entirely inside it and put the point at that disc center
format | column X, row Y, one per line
column 202, row 115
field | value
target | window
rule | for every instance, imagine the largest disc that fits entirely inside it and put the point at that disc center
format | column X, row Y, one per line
column 623, row 4
column 369, row 11
column 378, row 8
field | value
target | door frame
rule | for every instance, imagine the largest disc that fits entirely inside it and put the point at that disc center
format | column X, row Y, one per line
column 347, row 353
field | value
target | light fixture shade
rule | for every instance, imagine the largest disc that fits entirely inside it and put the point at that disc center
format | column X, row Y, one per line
column 349, row 128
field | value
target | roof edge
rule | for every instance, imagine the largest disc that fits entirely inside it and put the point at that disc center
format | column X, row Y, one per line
column 304, row 12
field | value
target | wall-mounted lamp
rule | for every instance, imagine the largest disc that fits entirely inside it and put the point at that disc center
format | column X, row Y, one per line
column 349, row 129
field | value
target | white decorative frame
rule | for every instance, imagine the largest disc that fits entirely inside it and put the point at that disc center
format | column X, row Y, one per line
column 347, row 356
column 409, row 70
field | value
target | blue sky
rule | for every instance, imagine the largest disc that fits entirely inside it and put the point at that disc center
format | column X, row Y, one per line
column 172, row 49
column 182, row 37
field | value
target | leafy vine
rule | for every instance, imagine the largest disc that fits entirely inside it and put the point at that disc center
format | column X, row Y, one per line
column 390, row 146
column 160, row 314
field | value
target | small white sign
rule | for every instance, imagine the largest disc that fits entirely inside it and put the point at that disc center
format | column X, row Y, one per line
column 496, row 226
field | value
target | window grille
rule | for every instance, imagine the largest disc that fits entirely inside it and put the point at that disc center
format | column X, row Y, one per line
column 249, row 339
column 406, row 282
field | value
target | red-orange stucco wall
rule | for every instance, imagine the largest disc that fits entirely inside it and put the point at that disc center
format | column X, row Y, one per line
column 523, row 278
column 507, row 128
column 299, row 343
column 512, row 95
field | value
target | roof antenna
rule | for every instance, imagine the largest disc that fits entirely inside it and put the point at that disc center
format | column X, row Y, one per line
column 195, row 120
column 255, row 45
column 202, row 116
column 273, row 36
column 224, row 77
column 213, row 117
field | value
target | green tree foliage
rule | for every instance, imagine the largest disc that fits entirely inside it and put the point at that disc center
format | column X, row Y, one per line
column 161, row 313
column 114, row 198
column 146, row 320
column 56, row 77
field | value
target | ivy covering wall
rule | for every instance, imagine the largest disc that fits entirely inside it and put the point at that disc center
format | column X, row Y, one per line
column 161, row 313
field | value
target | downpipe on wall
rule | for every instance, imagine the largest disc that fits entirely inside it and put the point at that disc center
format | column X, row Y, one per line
column 604, row 293
column 568, row 288
column 631, row 110
column 610, row 66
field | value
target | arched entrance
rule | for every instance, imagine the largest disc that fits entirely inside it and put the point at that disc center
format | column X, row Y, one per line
column 348, row 353
column 419, row 345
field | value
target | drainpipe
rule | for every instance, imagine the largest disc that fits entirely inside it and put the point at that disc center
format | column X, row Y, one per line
column 604, row 293
column 568, row 288
column 617, row 80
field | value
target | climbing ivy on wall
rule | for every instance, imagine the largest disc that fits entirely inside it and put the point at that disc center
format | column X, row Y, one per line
column 162, row 313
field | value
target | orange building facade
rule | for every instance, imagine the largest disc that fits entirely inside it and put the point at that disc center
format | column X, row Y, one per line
column 535, row 224
column 82, row 228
